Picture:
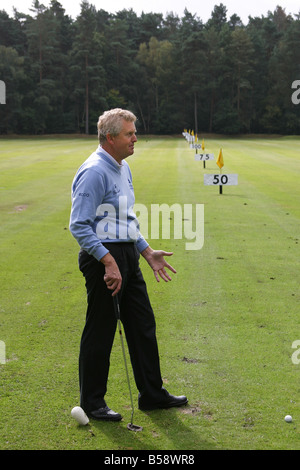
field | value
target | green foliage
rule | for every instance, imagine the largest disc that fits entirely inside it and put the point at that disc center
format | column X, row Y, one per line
column 174, row 73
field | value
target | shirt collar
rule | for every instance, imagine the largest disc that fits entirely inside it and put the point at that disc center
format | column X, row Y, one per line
column 117, row 165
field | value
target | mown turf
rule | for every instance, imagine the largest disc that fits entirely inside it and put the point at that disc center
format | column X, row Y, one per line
column 225, row 324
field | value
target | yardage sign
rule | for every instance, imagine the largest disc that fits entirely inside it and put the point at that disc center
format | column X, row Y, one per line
column 204, row 156
column 196, row 146
column 221, row 180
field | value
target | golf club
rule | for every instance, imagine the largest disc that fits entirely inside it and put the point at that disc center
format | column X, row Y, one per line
column 130, row 426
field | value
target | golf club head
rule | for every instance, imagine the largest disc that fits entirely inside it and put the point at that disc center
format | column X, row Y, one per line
column 134, row 427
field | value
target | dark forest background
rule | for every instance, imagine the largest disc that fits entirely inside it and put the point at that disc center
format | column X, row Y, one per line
column 221, row 76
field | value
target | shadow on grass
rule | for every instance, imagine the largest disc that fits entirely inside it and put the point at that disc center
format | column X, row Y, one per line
column 177, row 433
column 162, row 430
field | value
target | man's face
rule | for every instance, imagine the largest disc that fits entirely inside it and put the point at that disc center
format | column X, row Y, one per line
column 123, row 143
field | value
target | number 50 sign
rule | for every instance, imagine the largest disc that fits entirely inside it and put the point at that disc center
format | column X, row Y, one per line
column 221, row 180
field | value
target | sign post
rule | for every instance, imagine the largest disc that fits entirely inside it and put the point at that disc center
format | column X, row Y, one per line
column 221, row 179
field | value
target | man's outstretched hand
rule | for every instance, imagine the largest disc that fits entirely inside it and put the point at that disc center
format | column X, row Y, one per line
column 155, row 259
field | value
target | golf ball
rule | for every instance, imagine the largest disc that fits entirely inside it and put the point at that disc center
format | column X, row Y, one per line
column 288, row 418
column 80, row 416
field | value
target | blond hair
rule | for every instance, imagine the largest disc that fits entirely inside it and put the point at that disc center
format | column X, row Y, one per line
column 110, row 122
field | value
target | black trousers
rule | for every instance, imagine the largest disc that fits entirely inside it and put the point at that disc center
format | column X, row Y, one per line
column 98, row 335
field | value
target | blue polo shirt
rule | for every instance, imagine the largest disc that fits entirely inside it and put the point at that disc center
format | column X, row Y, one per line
column 102, row 205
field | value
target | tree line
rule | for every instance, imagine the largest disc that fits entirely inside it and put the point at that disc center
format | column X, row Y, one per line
column 221, row 76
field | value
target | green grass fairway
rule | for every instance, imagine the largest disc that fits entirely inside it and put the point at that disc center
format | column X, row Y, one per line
column 225, row 324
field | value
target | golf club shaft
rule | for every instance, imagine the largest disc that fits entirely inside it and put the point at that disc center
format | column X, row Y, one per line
column 118, row 316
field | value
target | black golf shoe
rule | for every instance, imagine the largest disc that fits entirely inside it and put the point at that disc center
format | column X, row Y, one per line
column 104, row 413
column 167, row 401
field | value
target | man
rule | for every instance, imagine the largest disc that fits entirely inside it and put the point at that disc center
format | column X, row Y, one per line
column 105, row 226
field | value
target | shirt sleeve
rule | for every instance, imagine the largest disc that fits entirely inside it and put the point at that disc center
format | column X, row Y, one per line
column 141, row 243
column 88, row 191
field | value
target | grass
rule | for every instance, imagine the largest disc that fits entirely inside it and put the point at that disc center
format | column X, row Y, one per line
column 225, row 324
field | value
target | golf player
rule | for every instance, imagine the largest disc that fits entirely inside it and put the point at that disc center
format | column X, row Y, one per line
column 104, row 224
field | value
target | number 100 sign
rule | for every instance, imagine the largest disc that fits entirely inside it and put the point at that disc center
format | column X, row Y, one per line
column 221, row 180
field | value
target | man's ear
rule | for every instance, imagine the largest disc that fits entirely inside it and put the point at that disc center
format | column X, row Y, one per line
column 110, row 138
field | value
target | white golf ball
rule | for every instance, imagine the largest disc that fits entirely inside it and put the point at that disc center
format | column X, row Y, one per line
column 288, row 418
column 80, row 416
